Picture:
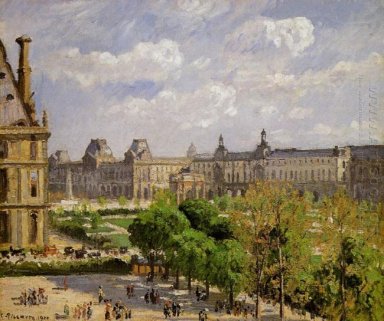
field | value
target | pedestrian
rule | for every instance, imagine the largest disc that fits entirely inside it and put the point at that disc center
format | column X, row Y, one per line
column 108, row 307
column 157, row 297
column 66, row 309
column 197, row 293
column 101, row 294
column 89, row 311
column 146, row 297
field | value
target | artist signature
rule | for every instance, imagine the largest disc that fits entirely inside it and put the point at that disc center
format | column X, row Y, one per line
column 12, row 316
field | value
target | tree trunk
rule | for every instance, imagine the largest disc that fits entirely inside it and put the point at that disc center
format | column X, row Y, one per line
column 166, row 270
column 258, row 285
column 152, row 263
column 177, row 281
column 343, row 316
column 231, row 296
column 281, row 274
column 189, row 282
column 207, row 287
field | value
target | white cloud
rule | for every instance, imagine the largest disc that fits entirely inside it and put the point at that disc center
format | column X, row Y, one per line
column 321, row 129
column 268, row 110
column 201, row 63
column 300, row 113
column 204, row 8
column 201, row 108
column 147, row 60
column 294, row 34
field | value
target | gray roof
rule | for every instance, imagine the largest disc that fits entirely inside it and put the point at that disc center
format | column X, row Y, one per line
column 240, row 156
column 98, row 148
column 203, row 157
column 367, row 152
column 293, row 152
column 11, row 108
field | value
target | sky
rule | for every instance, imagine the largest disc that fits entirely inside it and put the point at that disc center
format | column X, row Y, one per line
column 310, row 72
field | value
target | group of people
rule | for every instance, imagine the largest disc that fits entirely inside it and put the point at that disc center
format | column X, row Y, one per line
column 130, row 291
column 80, row 311
column 203, row 316
column 238, row 309
column 153, row 297
column 118, row 311
column 171, row 308
column 33, row 297
column 200, row 295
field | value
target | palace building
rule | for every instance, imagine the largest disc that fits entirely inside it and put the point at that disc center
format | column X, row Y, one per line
column 99, row 173
column 358, row 169
column 23, row 157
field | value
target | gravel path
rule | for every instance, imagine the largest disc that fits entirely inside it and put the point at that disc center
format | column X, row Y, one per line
column 83, row 288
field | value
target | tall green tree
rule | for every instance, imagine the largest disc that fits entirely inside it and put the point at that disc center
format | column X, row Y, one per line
column 229, row 267
column 352, row 270
column 205, row 216
column 192, row 253
column 152, row 230
column 274, row 215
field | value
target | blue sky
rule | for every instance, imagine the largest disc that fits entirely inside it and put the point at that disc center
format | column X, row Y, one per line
column 187, row 70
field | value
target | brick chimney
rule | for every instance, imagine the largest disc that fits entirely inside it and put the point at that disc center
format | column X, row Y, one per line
column 24, row 72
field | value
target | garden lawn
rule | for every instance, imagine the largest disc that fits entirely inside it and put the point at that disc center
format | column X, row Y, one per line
column 99, row 229
column 122, row 222
column 118, row 240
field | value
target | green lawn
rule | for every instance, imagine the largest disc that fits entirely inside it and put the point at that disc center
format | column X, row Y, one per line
column 122, row 222
column 118, row 240
column 100, row 229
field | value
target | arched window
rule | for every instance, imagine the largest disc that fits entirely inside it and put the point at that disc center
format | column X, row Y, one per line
column 33, row 150
column 33, row 228
column 33, row 183
column 4, row 227
column 3, row 149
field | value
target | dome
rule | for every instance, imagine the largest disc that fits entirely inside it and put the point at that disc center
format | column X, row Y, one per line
column 99, row 149
column 192, row 151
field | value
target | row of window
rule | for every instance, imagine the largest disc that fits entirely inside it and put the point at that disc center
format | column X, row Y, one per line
column 5, row 227
column 318, row 175
column 4, row 150
column 33, row 184
column 301, row 161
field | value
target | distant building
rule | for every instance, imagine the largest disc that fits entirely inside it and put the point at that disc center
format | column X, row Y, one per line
column 23, row 157
column 358, row 169
column 99, row 173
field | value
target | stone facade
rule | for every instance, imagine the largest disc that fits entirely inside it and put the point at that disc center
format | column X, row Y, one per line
column 99, row 173
column 358, row 169
column 23, row 157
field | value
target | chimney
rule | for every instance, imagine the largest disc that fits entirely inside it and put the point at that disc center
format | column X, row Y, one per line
column 24, row 72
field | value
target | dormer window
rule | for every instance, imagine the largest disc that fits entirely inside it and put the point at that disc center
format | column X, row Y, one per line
column 10, row 97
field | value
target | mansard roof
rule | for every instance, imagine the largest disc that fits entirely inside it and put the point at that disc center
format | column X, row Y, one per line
column 99, row 149
column 12, row 110
column 231, row 156
column 367, row 152
column 293, row 152
column 203, row 157
column 140, row 149
column 61, row 156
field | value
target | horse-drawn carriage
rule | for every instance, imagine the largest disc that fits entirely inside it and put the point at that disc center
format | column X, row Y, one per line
column 50, row 250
